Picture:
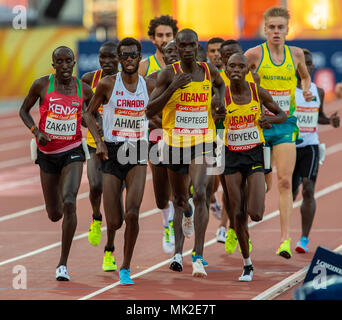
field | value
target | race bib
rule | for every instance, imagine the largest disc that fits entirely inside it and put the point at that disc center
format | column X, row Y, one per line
column 283, row 100
column 243, row 139
column 191, row 120
column 129, row 123
column 61, row 126
column 307, row 118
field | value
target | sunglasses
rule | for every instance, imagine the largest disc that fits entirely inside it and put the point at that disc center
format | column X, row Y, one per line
column 125, row 55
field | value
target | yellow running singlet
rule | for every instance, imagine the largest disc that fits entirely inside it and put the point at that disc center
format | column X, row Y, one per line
column 187, row 118
column 153, row 65
column 242, row 129
column 279, row 80
column 96, row 79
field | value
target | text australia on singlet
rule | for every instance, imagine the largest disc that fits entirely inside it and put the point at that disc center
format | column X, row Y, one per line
column 61, row 121
column 192, row 119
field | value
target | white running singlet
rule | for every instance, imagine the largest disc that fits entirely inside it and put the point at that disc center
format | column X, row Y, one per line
column 307, row 116
column 124, row 116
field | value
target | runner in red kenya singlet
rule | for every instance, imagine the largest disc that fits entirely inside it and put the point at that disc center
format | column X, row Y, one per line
column 60, row 154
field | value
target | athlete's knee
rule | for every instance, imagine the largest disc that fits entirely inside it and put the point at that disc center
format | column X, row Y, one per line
column 256, row 215
column 132, row 215
column 69, row 204
column 180, row 200
column 308, row 190
column 162, row 202
column 54, row 215
column 200, row 196
column 285, row 183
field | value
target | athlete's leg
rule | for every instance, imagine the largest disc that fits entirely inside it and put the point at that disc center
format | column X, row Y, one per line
column 235, row 187
column 200, row 181
column 308, row 207
column 71, row 179
column 95, row 184
column 285, row 158
column 226, row 212
column 135, row 186
column 179, row 186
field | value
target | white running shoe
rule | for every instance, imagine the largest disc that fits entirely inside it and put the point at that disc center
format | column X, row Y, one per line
column 176, row 263
column 221, row 234
column 188, row 222
column 216, row 209
column 62, row 273
column 198, row 269
column 247, row 273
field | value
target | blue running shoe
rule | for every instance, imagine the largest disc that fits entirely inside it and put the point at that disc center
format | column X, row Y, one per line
column 125, row 279
column 302, row 245
column 197, row 256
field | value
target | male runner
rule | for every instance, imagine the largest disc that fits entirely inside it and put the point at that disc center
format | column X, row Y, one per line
column 161, row 31
column 309, row 115
column 213, row 52
column 108, row 60
column 161, row 185
column 244, row 157
column 229, row 238
column 123, row 152
column 183, row 92
column 58, row 136
column 276, row 64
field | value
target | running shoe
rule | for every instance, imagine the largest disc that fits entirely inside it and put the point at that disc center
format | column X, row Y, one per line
column 216, row 210
column 221, row 235
column 176, row 263
column 285, row 249
column 172, row 232
column 302, row 245
column 109, row 263
column 198, row 268
column 62, row 273
column 231, row 241
column 249, row 244
column 167, row 245
column 194, row 257
column 247, row 273
column 94, row 234
column 125, row 278
column 188, row 222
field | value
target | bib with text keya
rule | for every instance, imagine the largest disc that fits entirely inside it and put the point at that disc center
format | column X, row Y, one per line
column 124, row 116
column 61, row 117
column 279, row 80
column 242, row 130
column 187, row 118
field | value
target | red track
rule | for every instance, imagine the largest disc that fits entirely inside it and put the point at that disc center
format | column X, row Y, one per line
column 29, row 239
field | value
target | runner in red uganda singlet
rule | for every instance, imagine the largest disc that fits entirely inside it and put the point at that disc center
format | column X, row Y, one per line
column 60, row 118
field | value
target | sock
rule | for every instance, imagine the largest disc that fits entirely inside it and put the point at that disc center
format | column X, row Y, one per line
column 172, row 211
column 109, row 249
column 98, row 218
column 165, row 216
column 247, row 262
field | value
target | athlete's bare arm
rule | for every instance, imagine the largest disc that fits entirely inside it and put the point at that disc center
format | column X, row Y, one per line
column 37, row 91
column 256, row 78
column 299, row 61
column 167, row 84
column 267, row 100
column 151, row 81
column 219, row 91
column 88, row 77
column 143, row 65
column 253, row 56
column 334, row 119
column 102, row 95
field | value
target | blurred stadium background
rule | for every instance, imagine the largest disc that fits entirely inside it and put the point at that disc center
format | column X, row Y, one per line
column 31, row 29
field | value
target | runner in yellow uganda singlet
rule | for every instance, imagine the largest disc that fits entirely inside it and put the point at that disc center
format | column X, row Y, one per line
column 96, row 79
column 187, row 119
column 281, row 82
column 153, row 65
column 242, row 129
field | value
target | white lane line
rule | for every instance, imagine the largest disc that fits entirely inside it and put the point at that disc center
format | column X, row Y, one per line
column 20, row 183
column 319, row 194
column 57, row 244
column 286, row 284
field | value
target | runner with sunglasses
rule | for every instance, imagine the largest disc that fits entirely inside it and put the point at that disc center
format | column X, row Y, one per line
column 124, row 150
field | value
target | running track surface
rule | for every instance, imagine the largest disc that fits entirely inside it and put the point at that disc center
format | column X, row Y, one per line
column 28, row 239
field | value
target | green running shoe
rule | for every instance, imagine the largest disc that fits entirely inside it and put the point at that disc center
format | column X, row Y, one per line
column 109, row 263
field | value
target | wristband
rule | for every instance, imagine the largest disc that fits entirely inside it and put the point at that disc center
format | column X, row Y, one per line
column 32, row 128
